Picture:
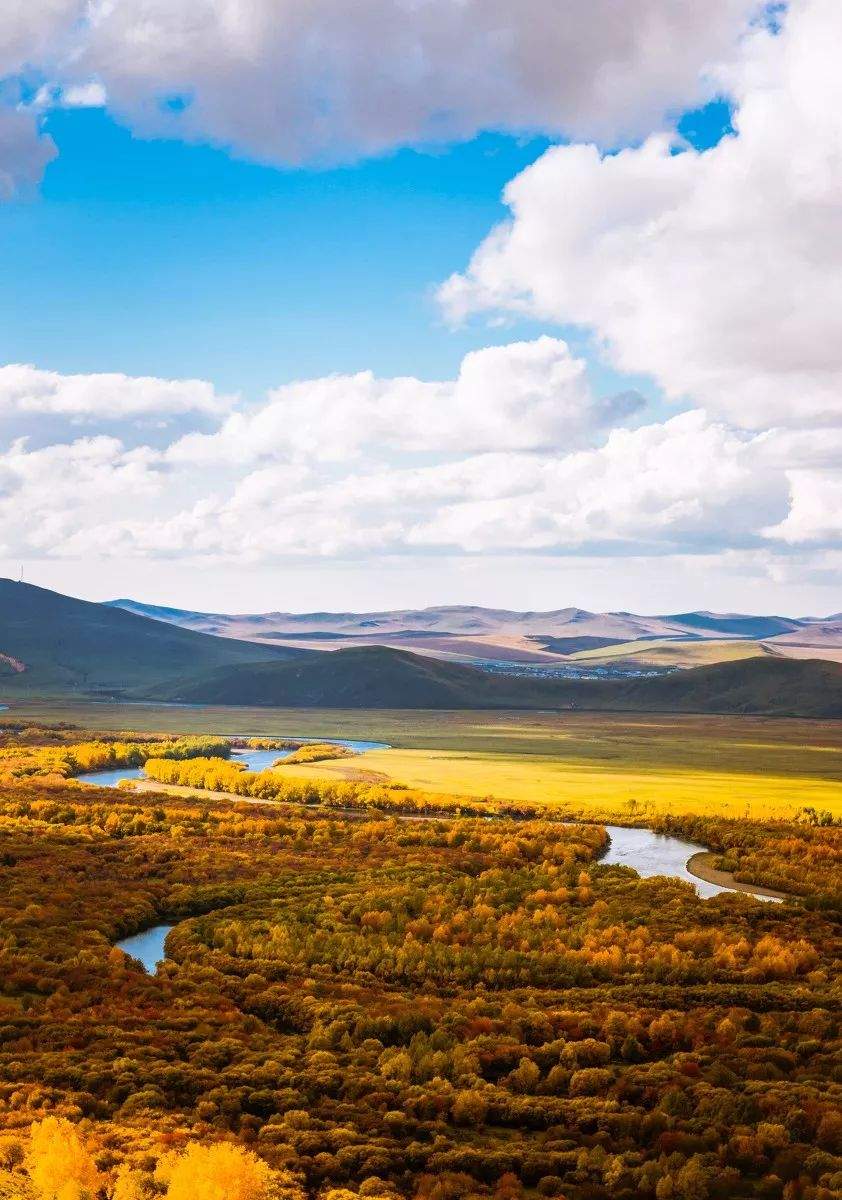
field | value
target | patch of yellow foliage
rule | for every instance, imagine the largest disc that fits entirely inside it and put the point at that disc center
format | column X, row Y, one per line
column 222, row 1172
column 59, row 1166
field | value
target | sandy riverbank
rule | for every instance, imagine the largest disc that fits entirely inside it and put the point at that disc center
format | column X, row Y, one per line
column 701, row 865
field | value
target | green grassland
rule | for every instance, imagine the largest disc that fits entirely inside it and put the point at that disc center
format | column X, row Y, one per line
column 600, row 764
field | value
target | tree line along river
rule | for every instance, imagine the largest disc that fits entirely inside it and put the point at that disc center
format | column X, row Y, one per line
column 649, row 853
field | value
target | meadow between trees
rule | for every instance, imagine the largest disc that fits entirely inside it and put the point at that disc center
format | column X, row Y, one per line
column 359, row 1005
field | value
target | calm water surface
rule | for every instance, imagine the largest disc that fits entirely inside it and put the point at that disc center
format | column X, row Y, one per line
column 656, row 854
column 254, row 760
column 147, row 946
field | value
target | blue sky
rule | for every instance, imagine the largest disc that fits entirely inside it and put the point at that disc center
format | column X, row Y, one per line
column 157, row 257
column 631, row 411
column 152, row 256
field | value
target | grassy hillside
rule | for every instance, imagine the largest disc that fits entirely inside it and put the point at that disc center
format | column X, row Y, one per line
column 55, row 645
column 734, row 624
column 771, row 686
column 359, row 677
column 51, row 644
column 380, row 677
column 577, row 645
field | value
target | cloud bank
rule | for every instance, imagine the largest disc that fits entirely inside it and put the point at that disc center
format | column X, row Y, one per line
column 25, row 390
column 284, row 82
column 516, row 455
column 524, row 396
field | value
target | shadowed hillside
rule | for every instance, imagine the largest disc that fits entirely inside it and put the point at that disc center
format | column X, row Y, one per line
column 381, row 677
column 359, row 677
column 783, row 687
column 734, row 624
column 51, row 643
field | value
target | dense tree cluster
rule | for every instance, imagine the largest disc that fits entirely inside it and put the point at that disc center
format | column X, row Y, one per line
column 60, row 1166
column 357, row 1005
column 65, row 760
column 265, row 743
column 799, row 857
column 313, row 752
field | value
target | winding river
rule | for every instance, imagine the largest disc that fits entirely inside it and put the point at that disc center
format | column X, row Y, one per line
column 649, row 853
column 653, row 853
column 252, row 760
column 148, row 946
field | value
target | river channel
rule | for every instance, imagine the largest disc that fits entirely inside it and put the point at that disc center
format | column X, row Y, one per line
column 649, row 853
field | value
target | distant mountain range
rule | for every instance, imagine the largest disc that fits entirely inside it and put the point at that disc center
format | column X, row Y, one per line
column 54, row 645
column 471, row 634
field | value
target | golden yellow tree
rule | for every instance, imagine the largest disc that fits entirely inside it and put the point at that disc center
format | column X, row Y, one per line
column 220, row 1172
column 58, row 1164
column 128, row 1185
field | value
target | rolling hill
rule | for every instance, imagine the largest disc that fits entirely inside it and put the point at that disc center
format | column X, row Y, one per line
column 54, row 644
column 464, row 633
column 815, row 635
column 779, row 687
column 720, row 625
column 456, row 620
column 666, row 654
column 381, row 677
column 359, row 677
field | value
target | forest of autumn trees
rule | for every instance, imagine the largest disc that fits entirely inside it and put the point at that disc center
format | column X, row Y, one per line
column 355, row 1004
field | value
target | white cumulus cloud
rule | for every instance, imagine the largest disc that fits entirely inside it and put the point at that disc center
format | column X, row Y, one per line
column 47, row 495
column 523, row 396
column 285, row 82
column 690, row 485
column 26, row 390
column 34, row 32
column 815, row 513
column 687, row 483
column 24, row 152
column 717, row 272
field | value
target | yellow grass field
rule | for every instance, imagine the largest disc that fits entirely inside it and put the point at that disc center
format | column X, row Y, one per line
column 598, row 792
column 662, row 653
column 597, row 764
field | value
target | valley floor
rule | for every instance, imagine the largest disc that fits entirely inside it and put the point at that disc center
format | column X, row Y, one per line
column 598, row 765
column 357, row 1007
